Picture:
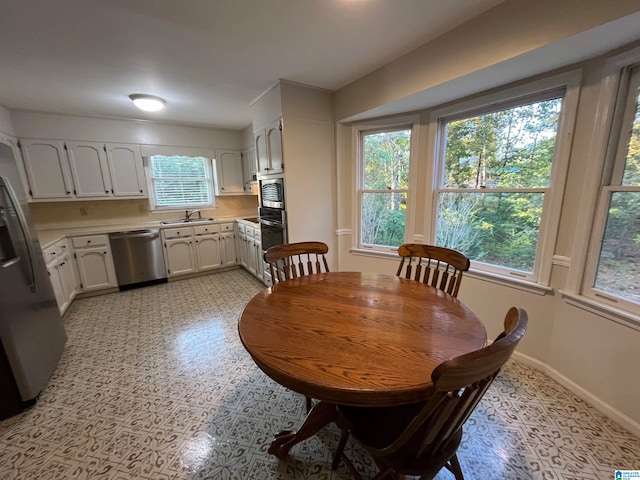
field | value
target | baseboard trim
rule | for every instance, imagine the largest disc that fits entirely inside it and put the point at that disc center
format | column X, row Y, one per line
column 617, row 416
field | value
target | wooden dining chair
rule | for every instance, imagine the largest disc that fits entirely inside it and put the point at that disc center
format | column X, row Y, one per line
column 422, row 438
column 292, row 260
column 439, row 267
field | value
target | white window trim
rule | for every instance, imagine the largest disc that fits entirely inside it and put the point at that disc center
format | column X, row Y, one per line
column 570, row 82
column 154, row 208
column 605, row 148
column 411, row 122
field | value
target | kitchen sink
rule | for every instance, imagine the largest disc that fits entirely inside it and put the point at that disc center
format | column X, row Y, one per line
column 182, row 221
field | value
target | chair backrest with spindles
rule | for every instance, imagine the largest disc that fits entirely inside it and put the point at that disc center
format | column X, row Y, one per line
column 293, row 260
column 439, row 267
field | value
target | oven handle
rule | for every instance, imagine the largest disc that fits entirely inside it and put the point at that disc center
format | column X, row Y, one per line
column 271, row 223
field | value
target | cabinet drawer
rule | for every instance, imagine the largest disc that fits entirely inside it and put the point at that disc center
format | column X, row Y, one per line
column 226, row 227
column 50, row 253
column 249, row 231
column 242, row 228
column 257, row 234
column 90, row 241
column 206, row 229
column 177, row 232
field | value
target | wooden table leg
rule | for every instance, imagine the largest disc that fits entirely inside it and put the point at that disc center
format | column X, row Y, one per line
column 320, row 415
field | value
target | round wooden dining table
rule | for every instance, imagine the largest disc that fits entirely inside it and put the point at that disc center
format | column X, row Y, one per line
column 352, row 338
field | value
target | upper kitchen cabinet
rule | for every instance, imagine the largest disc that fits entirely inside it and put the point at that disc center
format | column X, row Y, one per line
column 268, row 145
column 47, row 169
column 230, row 180
column 249, row 169
column 68, row 170
column 88, row 164
column 126, row 170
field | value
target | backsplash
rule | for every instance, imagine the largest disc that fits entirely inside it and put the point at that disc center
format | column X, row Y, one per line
column 59, row 215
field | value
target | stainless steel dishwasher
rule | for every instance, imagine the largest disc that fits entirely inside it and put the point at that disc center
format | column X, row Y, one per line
column 138, row 258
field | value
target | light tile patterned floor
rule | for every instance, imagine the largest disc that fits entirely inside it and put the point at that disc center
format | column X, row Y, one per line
column 155, row 384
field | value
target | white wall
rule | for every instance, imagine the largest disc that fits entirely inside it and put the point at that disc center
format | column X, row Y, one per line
column 595, row 356
column 6, row 126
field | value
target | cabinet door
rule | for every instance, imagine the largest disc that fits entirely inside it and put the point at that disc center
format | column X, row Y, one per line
column 207, row 252
column 274, row 146
column 242, row 254
column 126, row 169
column 228, row 248
column 56, row 283
column 95, row 266
column 70, row 285
column 229, row 172
column 252, row 261
column 262, row 156
column 248, row 171
column 180, row 256
column 257, row 247
column 88, row 163
column 47, row 169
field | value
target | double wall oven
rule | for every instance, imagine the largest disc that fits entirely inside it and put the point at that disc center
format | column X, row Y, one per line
column 272, row 215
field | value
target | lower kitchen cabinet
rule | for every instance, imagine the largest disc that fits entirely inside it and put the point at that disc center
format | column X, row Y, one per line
column 95, row 262
column 62, row 273
column 249, row 246
column 208, row 252
column 200, row 248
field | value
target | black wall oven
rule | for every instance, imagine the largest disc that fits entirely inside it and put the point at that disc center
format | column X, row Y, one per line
column 273, row 227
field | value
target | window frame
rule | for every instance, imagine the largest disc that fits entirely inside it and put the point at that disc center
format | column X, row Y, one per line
column 411, row 123
column 616, row 139
column 568, row 83
column 209, row 181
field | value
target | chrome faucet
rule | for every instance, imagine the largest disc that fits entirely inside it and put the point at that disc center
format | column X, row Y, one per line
column 189, row 213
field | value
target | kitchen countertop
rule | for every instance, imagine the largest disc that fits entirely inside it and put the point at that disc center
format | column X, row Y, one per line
column 49, row 237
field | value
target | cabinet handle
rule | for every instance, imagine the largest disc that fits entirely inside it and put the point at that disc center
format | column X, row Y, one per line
column 106, row 191
column 141, row 191
column 104, row 253
column 68, row 192
column 88, row 241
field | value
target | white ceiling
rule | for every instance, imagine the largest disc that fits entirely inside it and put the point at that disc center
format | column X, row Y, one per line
column 207, row 58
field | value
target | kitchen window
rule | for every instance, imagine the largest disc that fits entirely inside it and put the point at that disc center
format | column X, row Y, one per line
column 384, row 154
column 496, row 161
column 178, row 182
column 613, row 271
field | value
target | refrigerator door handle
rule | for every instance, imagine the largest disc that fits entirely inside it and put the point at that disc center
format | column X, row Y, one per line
column 8, row 263
column 22, row 221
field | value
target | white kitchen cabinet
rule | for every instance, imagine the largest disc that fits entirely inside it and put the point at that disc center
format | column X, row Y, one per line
column 249, row 169
column 47, row 169
column 198, row 249
column 249, row 245
column 208, row 252
column 89, row 170
column 227, row 244
column 229, row 176
column 180, row 256
column 179, row 251
column 274, row 146
column 268, row 145
column 62, row 273
column 69, row 170
column 126, row 170
column 95, row 262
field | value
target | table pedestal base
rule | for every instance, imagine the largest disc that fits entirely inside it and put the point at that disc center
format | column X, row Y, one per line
column 320, row 415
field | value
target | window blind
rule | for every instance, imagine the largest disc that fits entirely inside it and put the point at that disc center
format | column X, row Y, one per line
column 181, row 180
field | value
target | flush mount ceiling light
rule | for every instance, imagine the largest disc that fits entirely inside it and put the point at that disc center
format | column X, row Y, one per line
column 148, row 103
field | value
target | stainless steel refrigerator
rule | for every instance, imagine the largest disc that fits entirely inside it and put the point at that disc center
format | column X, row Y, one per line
column 32, row 334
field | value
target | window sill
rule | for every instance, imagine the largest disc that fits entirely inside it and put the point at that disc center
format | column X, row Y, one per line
column 617, row 315
column 511, row 282
column 477, row 274
column 366, row 252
